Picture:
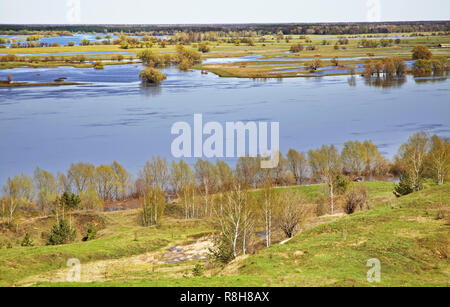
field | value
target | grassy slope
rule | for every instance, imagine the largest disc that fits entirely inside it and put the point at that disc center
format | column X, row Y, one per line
column 404, row 234
column 117, row 240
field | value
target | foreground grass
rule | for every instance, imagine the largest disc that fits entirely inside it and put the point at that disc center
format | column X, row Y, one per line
column 411, row 243
column 122, row 237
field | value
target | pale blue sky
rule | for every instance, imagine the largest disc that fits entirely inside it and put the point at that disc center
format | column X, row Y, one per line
column 210, row 11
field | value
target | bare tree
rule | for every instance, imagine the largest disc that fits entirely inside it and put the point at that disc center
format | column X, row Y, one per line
column 413, row 154
column 438, row 159
column 207, row 178
column 325, row 164
column 293, row 211
column 298, row 165
column 156, row 173
column 236, row 219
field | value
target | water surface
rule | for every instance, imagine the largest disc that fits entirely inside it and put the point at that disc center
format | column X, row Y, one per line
column 115, row 118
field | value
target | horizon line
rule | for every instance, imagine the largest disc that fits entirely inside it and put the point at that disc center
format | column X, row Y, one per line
column 220, row 24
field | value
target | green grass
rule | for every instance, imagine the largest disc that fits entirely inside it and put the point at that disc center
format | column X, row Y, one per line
column 411, row 244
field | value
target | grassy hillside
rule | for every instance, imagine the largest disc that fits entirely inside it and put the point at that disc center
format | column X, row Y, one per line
column 408, row 236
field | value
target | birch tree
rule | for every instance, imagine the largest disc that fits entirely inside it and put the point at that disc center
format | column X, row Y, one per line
column 236, row 220
column 325, row 164
column 156, row 173
column 152, row 203
column 413, row 154
column 206, row 174
column 298, row 165
column 46, row 187
column 81, row 176
column 18, row 191
column 438, row 159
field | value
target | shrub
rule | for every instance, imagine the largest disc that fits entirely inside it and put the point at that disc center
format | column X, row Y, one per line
column 79, row 58
column 27, row 242
column 98, row 65
column 85, row 42
column 152, row 75
column 341, row 184
column 185, row 65
column 404, row 187
column 61, row 233
column 422, row 67
column 295, row 48
column 91, row 233
column 222, row 252
column 146, row 56
column 356, row 197
column 197, row 271
column 204, row 47
column 317, row 63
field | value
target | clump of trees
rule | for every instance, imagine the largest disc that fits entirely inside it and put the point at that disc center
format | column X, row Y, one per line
column 152, row 204
column 387, row 67
column 421, row 52
column 296, row 48
column 420, row 158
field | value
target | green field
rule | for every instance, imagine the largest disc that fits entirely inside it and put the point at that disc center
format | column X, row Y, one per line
column 270, row 48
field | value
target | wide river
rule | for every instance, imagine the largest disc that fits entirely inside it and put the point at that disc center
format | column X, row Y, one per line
column 115, row 118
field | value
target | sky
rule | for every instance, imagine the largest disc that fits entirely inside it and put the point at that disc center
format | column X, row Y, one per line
column 213, row 11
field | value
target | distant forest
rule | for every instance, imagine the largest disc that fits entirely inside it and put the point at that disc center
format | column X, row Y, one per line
column 263, row 29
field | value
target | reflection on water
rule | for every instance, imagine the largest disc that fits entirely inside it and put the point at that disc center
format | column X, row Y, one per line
column 385, row 81
column 114, row 117
column 437, row 77
column 151, row 89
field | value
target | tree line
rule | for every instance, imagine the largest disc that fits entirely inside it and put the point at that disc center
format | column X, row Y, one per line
column 287, row 28
column 422, row 157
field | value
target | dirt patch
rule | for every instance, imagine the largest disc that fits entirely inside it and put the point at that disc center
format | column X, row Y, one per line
column 123, row 268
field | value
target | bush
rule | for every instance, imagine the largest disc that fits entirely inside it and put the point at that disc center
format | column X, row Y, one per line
column 356, row 197
column 98, row 65
column 185, row 65
column 295, row 48
column 204, row 47
column 27, row 242
column 222, row 252
column 341, row 184
column 197, row 271
column 61, row 233
column 91, row 233
column 404, row 187
column 152, row 75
